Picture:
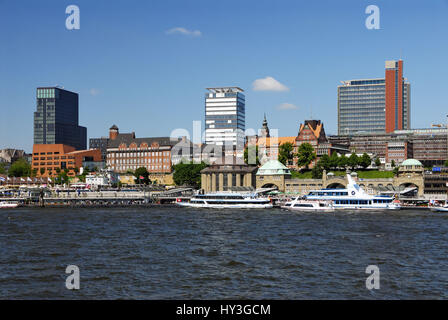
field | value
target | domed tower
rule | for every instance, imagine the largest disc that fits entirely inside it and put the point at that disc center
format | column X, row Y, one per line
column 113, row 132
column 265, row 128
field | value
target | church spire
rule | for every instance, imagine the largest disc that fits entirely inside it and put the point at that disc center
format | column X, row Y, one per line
column 265, row 128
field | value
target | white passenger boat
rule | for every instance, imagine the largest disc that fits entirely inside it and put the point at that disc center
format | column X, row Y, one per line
column 435, row 207
column 8, row 205
column 298, row 204
column 354, row 197
column 440, row 209
column 227, row 200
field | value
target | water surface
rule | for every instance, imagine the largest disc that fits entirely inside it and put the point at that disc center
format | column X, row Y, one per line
column 179, row 253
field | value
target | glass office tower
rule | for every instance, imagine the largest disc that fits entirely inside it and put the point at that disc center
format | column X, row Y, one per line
column 56, row 118
column 375, row 105
column 225, row 118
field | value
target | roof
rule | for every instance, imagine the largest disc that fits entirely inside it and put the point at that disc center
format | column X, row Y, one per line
column 316, row 127
column 81, row 151
column 225, row 89
column 128, row 138
column 229, row 164
column 273, row 167
column 274, row 141
column 411, row 162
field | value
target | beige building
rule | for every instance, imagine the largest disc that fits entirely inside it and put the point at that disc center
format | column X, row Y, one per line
column 228, row 174
column 410, row 177
column 273, row 174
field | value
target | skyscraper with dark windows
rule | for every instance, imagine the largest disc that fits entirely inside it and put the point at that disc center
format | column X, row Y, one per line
column 56, row 120
column 375, row 105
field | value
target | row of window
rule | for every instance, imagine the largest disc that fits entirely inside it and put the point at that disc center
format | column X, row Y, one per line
column 139, row 154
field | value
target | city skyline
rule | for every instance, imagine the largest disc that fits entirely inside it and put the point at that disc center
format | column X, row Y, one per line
column 150, row 61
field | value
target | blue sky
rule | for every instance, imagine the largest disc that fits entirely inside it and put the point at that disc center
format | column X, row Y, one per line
column 129, row 70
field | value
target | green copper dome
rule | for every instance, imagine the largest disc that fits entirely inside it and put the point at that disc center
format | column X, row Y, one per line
column 273, row 167
column 411, row 162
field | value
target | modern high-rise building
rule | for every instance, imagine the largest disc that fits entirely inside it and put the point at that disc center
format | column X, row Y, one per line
column 375, row 105
column 225, row 118
column 56, row 118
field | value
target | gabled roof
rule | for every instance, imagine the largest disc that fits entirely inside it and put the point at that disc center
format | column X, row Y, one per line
column 316, row 127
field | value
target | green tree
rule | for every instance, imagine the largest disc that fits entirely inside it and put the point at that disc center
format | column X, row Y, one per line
column 34, row 172
column 353, row 161
column 188, row 174
column 395, row 171
column 343, row 161
column 377, row 162
column 305, row 155
column 334, row 161
column 61, row 178
column 365, row 160
column 392, row 163
column 316, row 172
column 324, row 162
column 20, row 168
column 142, row 172
column 285, row 153
column 2, row 168
column 42, row 171
column 249, row 151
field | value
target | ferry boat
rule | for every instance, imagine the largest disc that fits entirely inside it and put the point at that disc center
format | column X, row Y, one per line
column 8, row 205
column 354, row 197
column 298, row 204
column 227, row 200
column 439, row 209
column 435, row 206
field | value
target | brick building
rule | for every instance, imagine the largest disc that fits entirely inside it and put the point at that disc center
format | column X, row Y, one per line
column 48, row 159
column 126, row 152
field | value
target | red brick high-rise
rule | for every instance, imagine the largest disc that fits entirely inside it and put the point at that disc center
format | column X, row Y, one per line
column 395, row 111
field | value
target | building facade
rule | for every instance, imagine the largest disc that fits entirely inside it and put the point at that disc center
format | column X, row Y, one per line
column 430, row 145
column 11, row 155
column 225, row 116
column 100, row 144
column 48, row 159
column 126, row 152
column 375, row 105
column 56, row 120
column 228, row 175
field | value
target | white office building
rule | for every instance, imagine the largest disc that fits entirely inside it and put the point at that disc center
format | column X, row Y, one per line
column 225, row 118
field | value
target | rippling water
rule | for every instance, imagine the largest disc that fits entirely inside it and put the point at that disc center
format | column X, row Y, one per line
column 177, row 253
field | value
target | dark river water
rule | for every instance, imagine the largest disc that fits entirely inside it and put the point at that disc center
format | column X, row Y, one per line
column 177, row 253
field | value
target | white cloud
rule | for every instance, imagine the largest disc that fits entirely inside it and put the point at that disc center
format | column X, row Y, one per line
column 94, row 92
column 287, row 106
column 180, row 30
column 269, row 84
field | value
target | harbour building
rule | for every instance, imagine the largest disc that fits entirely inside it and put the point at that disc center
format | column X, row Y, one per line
column 379, row 105
column 225, row 118
column 56, row 120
